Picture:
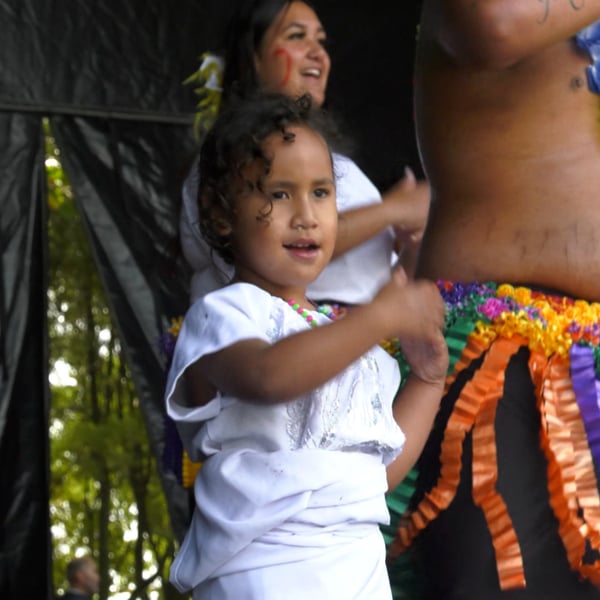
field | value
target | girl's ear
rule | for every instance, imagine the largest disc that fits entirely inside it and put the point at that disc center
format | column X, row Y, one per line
column 217, row 219
column 222, row 226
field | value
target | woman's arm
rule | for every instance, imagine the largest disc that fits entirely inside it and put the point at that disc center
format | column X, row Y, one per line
column 405, row 207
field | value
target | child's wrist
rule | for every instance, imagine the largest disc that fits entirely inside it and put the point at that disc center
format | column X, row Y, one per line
column 437, row 382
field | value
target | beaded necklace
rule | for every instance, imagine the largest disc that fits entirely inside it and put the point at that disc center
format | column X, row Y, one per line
column 305, row 314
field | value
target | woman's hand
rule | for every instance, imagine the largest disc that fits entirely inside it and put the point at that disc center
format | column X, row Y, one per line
column 409, row 200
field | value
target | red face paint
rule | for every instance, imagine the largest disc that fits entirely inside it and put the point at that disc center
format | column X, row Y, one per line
column 288, row 70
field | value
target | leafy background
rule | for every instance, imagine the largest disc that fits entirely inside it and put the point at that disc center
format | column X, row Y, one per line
column 106, row 497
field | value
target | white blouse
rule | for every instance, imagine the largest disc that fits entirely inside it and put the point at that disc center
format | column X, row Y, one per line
column 273, row 473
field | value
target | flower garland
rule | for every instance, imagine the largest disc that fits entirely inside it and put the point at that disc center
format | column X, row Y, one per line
column 166, row 342
column 208, row 82
column 551, row 324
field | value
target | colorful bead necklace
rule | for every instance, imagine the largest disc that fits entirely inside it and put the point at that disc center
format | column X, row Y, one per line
column 305, row 314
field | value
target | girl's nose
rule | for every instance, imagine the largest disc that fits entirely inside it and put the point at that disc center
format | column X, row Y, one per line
column 304, row 217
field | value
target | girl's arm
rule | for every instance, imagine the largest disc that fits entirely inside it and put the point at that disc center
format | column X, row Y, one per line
column 295, row 365
column 414, row 411
column 419, row 399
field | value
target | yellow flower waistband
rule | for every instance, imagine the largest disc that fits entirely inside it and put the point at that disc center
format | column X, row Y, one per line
column 550, row 323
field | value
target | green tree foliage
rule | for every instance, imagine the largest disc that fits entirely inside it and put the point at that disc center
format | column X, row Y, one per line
column 106, row 497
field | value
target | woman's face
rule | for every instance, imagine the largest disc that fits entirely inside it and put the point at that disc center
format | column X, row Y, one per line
column 292, row 58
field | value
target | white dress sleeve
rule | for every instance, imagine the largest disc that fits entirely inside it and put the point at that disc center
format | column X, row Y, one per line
column 218, row 320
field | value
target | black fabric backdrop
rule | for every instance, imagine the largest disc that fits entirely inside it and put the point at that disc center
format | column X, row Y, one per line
column 108, row 74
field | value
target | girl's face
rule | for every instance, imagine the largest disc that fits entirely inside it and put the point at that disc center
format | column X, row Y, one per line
column 285, row 250
column 292, row 58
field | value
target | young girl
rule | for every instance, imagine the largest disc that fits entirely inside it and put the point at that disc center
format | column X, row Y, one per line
column 293, row 414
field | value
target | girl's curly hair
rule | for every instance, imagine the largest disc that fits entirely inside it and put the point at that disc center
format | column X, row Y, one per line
column 234, row 143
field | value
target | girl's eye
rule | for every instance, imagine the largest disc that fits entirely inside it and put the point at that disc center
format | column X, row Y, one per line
column 297, row 35
column 321, row 193
column 279, row 195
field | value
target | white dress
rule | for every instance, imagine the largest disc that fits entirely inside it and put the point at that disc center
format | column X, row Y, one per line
column 352, row 278
column 291, row 495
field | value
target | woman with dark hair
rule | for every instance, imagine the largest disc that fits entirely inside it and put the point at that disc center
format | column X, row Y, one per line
column 280, row 46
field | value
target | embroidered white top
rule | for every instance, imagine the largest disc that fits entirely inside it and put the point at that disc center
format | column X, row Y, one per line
column 305, row 475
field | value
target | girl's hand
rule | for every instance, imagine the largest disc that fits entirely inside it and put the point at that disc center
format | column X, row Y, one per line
column 410, row 309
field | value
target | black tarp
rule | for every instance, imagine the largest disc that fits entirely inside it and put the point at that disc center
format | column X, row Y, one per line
column 24, row 476
column 108, row 74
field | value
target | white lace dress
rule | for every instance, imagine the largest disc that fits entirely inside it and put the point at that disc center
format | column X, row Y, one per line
column 291, row 495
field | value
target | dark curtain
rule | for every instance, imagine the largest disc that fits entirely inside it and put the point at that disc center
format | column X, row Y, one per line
column 371, row 82
column 24, row 467
column 109, row 74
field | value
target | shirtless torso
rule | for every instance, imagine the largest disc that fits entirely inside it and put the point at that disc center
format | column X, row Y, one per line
column 510, row 139
column 509, row 133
